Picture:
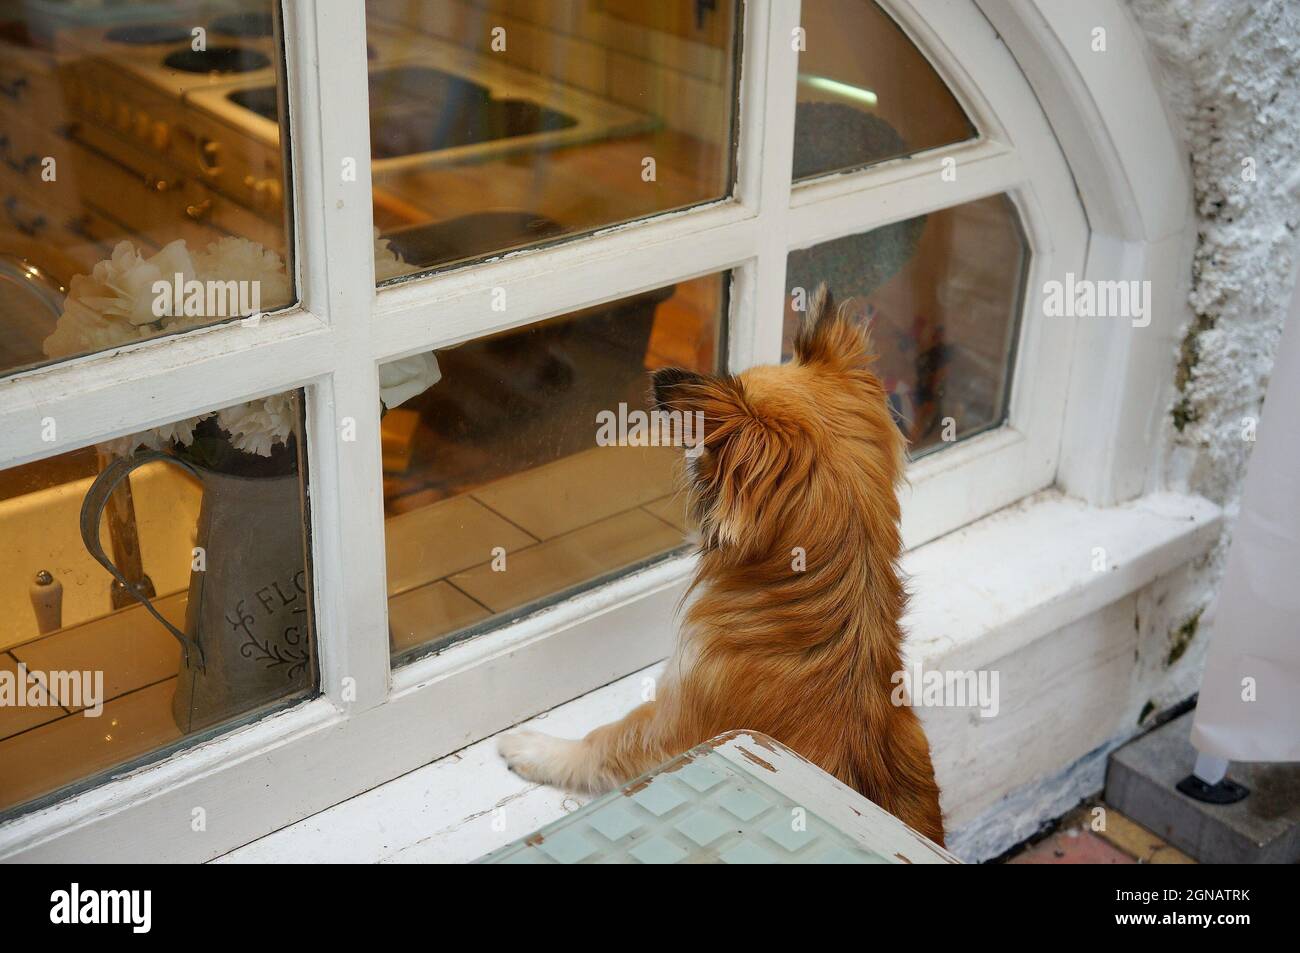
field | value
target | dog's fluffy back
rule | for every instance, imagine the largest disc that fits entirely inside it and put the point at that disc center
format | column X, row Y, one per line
column 794, row 628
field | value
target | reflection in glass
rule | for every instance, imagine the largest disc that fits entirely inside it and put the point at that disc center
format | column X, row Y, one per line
column 179, row 603
column 941, row 295
column 122, row 166
column 503, row 492
column 866, row 94
column 495, row 125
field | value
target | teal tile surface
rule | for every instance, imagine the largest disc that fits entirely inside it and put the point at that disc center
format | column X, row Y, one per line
column 787, row 831
column 661, row 796
column 658, row 850
column 703, row 775
column 698, row 808
column 567, row 846
column 703, row 827
column 744, row 802
column 747, row 852
column 615, row 821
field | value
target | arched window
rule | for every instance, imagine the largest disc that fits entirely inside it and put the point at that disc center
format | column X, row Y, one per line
column 386, row 278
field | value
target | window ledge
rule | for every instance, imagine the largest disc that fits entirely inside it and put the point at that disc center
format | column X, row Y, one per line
column 968, row 610
column 993, row 587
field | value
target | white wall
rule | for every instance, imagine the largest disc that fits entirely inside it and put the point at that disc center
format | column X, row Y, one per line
column 1230, row 76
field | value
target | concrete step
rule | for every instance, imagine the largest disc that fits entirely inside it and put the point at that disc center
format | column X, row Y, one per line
column 1264, row 828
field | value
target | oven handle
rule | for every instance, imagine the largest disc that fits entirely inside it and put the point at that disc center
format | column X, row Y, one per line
column 148, row 180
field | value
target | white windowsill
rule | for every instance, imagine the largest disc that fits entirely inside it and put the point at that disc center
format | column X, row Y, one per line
column 980, row 594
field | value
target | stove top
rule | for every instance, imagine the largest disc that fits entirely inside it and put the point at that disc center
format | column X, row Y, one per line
column 148, row 34
column 217, row 59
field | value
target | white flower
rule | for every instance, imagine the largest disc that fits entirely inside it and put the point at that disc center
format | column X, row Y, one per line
column 182, row 431
column 125, row 282
column 81, row 329
column 116, row 304
column 402, row 379
column 159, row 438
column 255, row 427
column 238, row 259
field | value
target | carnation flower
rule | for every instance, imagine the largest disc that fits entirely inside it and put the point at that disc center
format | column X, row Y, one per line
column 402, row 379
column 123, row 285
column 116, row 304
column 159, row 438
column 238, row 259
column 256, row 426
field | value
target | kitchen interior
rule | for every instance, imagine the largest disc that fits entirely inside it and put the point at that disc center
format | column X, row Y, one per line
column 494, row 126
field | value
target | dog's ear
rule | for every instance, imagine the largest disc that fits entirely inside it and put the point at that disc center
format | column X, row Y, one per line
column 828, row 334
column 820, row 308
column 723, row 499
column 721, row 400
column 738, row 477
column 664, row 385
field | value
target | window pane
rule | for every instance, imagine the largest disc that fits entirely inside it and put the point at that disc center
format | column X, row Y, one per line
column 495, row 125
column 502, row 489
column 125, row 163
column 208, row 528
column 942, row 297
column 866, row 94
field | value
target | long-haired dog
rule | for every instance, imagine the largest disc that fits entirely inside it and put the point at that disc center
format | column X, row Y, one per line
column 794, row 630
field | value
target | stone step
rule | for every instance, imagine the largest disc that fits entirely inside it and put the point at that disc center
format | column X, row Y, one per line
column 1264, row 828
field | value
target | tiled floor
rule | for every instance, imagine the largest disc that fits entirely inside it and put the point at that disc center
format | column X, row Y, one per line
column 560, row 525
column 1097, row 834
column 62, row 751
column 46, row 747
column 554, row 527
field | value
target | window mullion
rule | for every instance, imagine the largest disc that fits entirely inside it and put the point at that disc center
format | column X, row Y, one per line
column 854, row 202
column 103, row 396
column 772, row 118
column 329, row 108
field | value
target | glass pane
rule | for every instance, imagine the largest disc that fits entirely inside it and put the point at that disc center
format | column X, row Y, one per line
column 507, row 480
column 125, row 166
column 496, row 124
column 941, row 295
column 866, row 94
column 207, row 527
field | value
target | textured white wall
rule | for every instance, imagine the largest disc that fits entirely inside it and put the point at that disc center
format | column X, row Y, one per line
column 1231, row 73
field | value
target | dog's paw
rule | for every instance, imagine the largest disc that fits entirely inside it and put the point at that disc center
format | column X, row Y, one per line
column 537, row 757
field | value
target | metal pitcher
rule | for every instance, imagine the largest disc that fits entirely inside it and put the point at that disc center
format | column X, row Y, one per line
column 247, row 639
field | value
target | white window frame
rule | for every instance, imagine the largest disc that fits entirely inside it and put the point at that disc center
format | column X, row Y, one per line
column 370, row 724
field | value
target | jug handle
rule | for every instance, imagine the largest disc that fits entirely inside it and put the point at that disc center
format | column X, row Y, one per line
column 92, row 513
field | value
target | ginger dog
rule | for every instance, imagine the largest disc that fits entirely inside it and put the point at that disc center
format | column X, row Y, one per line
column 801, row 457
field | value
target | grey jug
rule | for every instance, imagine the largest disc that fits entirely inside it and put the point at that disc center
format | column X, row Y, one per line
column 247, row 639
